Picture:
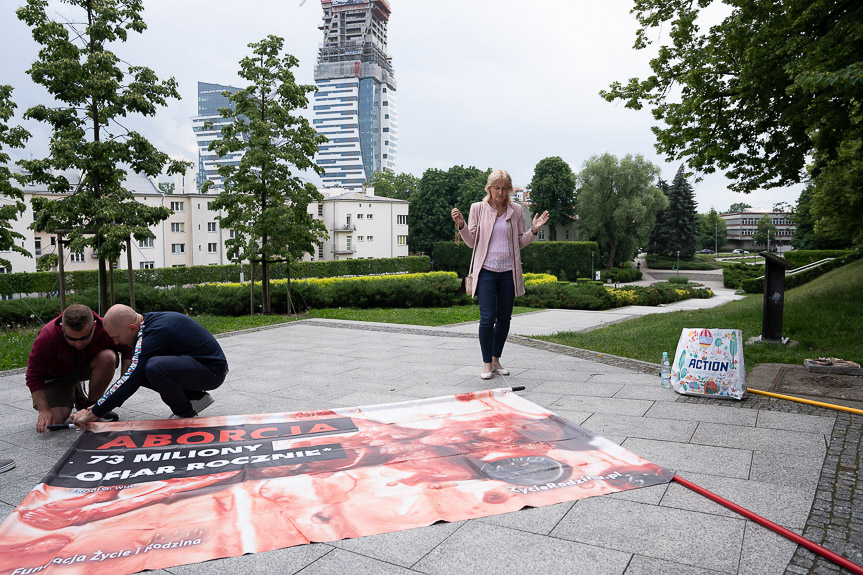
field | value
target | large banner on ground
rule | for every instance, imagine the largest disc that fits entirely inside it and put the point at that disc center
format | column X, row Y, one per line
column 138, row 495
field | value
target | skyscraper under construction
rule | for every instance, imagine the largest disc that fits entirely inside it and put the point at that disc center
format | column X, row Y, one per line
column 355, row 106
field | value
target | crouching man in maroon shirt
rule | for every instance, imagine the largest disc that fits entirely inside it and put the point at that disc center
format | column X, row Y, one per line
column 69, row 350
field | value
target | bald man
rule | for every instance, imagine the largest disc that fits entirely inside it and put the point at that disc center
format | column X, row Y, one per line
column 172, row 354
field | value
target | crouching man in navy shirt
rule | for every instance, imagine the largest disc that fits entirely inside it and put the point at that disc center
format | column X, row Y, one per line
column 172, row 354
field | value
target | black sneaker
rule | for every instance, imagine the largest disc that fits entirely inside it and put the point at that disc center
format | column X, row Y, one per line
column 203, row 403
column 110, row 416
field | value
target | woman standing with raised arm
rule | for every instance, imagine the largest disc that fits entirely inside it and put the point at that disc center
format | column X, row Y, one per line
column 496, row 226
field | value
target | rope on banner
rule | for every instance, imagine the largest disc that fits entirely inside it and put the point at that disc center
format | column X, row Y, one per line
column 800, row 540
column 809, row 401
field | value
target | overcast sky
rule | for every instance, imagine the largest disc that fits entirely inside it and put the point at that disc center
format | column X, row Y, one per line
column 485, row 83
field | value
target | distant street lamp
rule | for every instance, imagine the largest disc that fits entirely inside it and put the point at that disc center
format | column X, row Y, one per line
column 716, row 236
column 591, row 265
column 678, row 262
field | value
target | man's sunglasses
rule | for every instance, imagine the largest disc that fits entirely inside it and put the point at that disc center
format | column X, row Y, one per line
column 88, row 336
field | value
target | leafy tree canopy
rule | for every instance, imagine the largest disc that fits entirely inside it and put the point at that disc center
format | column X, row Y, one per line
column 765, row 233
column 772, row 85
column 737, row 207
column 712, row 231
column 553, row 188
column 96, row 89
column 438, row 193
column 13, row 137
column 265, row 200
column 615, row 198
column 396, row 186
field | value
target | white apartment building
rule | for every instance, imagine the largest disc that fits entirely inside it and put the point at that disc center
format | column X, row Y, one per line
column 362, row 225
column 359, row 225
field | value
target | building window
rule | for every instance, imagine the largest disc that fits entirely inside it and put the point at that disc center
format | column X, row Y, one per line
column 211, row 226
column 178, row 266
column 541, row 235
column 53, row 240
column 320, row 251
column 177, row 206
column 359, row 216
column 567, row 234
column 402, row 240
column 321, row 210
column 147, row 265
column 232, row 234
column 178, row 227
column 370, row 238
column 211, row 248
column 178, row 248
column 210, row 205
column 369, row 216
column 76, row 257
column 402, row 220
column 38, row 247
column 359, row 238
column 145, row 243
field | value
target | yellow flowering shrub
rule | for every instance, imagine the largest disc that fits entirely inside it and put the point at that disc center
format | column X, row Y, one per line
column 623, row 297
column 538, row 279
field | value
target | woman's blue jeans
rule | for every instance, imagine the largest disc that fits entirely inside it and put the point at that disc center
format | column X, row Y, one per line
column 496, row 294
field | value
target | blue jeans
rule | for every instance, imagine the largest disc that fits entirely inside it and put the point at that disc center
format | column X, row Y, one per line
column 496, row 294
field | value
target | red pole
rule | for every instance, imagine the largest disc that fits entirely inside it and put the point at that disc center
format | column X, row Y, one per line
column 811, row 545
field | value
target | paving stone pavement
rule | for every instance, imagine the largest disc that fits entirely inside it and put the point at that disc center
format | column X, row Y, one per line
column 795, row 464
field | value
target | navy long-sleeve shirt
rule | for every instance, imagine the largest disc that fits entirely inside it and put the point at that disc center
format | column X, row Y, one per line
column 162, row 333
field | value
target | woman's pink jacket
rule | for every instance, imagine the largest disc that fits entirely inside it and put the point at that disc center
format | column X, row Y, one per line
column 519, row 238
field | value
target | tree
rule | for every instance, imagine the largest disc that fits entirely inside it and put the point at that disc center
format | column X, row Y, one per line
column 837, row 202
column 806, row 237
column 265, row 202
column 783, row 208
column 615, row 199
column 97, row 89
column 553, row 188
column 14, row 137
column 737, row 207
column 773, row 86
column 712, row 231
column 765, row 232
column 396, row 186
column 675, row 230
column 438, row 193
column 167, row 187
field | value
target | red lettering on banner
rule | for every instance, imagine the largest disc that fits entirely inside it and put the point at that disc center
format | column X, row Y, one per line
column 206, row 437
column 259, row 433
column 157, row 440
column 231, row 435
column 122, row 441
column 321, row 427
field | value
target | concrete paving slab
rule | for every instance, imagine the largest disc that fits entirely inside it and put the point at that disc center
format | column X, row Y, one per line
column 641, row 565
column 491, row 549
column 760, row 439
column 341, row 561
column 684, row 457
column 796, row 422
column 402, row 548
column 765, row 552
column 704, row 413
column 655, row 532
column 539, row 520
column 668, row 430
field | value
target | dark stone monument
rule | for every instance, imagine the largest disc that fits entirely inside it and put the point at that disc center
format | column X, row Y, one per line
column 774, row 297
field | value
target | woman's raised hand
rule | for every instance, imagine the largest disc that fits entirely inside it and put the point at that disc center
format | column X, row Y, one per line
column 457, row 217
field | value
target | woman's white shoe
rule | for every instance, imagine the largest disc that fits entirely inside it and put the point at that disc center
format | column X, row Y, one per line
column 486, row 375
column 501, row 371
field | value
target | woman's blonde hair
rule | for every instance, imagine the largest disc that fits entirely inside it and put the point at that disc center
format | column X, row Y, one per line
column 498, row 177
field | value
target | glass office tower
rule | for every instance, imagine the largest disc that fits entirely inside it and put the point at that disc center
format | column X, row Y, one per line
column 355, row 106
column 210, row 99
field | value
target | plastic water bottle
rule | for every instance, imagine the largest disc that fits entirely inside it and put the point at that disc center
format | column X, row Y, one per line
column 665, row 371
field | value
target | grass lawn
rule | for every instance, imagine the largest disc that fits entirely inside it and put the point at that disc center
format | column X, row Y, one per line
column 431, row 316
column 821, row 316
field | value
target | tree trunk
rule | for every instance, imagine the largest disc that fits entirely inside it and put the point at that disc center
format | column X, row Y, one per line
column 111, row 281
column 131, row 275
column 252, row 287
column 612, row 252
column 288, row 278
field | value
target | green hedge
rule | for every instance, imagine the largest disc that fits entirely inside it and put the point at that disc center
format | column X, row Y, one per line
column 47, row 282
column 621, row 275
column 756, row 285
column 733, row 275
column 800, row 258
column 566, row 260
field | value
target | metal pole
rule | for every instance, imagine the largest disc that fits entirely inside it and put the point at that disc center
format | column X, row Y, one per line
column 61, row 271
column 591, row 266
column 678, row 263
column 716, row 235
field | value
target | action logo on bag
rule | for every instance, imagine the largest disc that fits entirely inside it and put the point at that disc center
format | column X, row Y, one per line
column 709, row 362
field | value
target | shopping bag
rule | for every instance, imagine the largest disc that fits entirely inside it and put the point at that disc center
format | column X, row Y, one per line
column 709, row 362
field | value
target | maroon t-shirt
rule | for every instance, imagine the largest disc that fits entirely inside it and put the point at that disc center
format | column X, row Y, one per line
column 52, row 356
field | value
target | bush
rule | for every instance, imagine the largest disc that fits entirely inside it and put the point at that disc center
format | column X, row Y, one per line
column 678, row 280
column 800, row 258
column 756, row 285
column 46, row 282
column 733, row 275
column 621, row 275
column 566, row 259
column 662, row 263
